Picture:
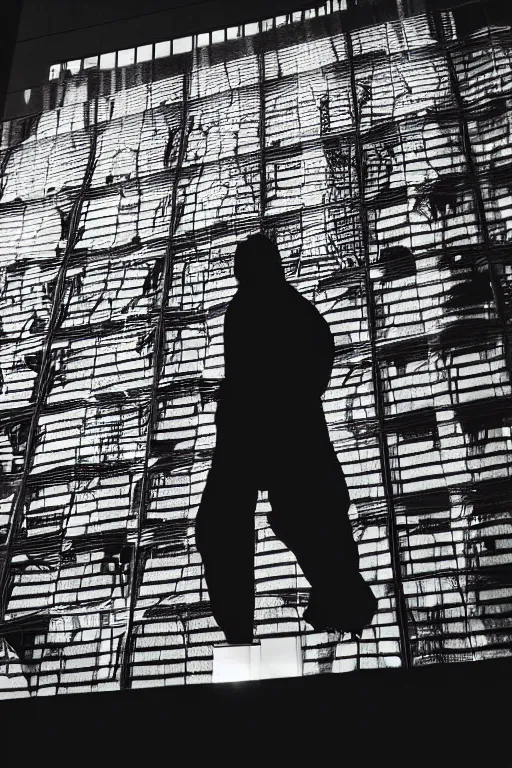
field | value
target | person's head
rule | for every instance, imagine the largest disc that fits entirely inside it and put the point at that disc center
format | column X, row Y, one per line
column 257, row 262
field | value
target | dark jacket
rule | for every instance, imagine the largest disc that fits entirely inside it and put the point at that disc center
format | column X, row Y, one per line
column 279, row 353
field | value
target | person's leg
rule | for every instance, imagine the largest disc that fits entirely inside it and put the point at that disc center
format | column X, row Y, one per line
column 310, row 516
column 225, row 541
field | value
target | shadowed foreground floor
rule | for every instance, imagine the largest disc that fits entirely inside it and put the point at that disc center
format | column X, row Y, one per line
column 443, row 715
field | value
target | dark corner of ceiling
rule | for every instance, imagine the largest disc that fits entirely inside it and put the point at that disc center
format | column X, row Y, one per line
column 11, row 13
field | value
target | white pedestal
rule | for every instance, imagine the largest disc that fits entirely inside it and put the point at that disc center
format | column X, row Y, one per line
column 280, row 657
column 234, row 663
column 270, row 658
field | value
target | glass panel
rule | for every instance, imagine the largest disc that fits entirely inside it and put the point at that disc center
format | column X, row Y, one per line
column 203, row 39
column 126, row 57
column 74, row 66
column 251, row 29
column 218, row 36
column 144, row 53
column 55, row 71
column 162, row 49
column 182, row 45
column 108, row 60
column 91, row 62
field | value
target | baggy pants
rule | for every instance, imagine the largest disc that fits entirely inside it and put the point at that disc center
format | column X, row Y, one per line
column 309, row 499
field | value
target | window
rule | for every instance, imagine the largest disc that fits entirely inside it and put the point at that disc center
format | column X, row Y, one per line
column 203, row 40
column 108, row 60
column 126, row 57
column 74, row 66
column 144, row 53
column 91, row 62
column 182, row 45
column 55, row 71
column 251, row 29
column 162, row 49
column 218, row 36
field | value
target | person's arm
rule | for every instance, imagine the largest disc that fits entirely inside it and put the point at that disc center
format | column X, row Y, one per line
column 232, row 331
column 228, row 356
column 324, row 352
column 317, row 352
column 238, row 348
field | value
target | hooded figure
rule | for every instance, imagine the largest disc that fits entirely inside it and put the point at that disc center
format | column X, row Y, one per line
column 272, row 435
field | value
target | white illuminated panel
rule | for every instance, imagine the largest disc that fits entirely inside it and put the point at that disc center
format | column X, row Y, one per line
column 144, row 53
column 126, row 57
column 251, row 29
column 218, row 36
column 73, row 66
column 182, row 45
column 90, row 62
column 267, row 659
column 162, row 49
column 55, row 71
column 281, row 657
column 203, row 39
column 108, row 60
column 236, row 663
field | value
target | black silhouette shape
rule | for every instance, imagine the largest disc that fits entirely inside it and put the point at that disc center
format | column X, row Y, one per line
column 272, row 434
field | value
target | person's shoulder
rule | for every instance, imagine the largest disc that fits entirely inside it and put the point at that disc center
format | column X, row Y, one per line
column 240, row 304
column 295, row 295
column 231, row 309
column 236, row 301
column 303, row 302
column 314, row 317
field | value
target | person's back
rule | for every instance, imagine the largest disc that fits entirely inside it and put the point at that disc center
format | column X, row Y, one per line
column 277, row 345
column 279, row 353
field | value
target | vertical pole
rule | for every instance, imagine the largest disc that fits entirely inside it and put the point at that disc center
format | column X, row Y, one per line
column 401, row 605
column 137, row 560
column 261, row 135
column 42, row 382
column 497, row 288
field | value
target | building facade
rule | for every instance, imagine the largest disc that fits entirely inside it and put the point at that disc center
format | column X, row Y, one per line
column 378, row 160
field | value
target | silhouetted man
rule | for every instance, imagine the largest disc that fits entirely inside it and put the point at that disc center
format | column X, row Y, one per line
column 272, row 434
